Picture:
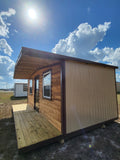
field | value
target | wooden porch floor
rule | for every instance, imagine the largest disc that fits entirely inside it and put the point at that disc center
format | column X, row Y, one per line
column 31, row 127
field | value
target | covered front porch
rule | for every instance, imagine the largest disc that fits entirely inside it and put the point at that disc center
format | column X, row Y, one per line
column 32, row 128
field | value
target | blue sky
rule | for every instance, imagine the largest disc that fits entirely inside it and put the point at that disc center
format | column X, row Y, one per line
column 88, row 29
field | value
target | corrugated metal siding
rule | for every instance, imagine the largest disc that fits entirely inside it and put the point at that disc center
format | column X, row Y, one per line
column 90, row 95
column 19, row 92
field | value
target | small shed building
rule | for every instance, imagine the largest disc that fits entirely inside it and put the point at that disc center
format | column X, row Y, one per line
column 73, row 94
column 20, row 90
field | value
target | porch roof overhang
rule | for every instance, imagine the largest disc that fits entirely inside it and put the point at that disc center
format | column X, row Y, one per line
column 31, row 60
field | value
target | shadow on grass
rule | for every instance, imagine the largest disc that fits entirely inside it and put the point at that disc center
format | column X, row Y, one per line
column 18, row 98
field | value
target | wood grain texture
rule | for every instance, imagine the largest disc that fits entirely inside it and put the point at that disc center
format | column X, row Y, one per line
column 90, row 95
column 27, row 65
column 50, row 108
column 31, row 127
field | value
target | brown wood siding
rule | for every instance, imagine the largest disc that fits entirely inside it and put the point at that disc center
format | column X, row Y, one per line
column 90, row 95
column 50, row 108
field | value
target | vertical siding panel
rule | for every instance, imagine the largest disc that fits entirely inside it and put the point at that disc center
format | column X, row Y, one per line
column 90, row 95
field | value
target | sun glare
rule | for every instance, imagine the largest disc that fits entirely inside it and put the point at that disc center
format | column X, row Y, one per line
column 32, row 14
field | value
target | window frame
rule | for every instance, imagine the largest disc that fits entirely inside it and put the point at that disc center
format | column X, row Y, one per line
column 29, row 86
column 25, row 87
column 44, row 74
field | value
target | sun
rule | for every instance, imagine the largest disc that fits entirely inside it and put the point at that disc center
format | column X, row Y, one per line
column 32, row 14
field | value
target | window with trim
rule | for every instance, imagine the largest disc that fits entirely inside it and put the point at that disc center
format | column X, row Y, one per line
column 25, row 87
column 30, row 86
column 47, row 85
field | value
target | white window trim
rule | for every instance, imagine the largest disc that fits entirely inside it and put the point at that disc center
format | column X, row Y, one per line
column 49, row 72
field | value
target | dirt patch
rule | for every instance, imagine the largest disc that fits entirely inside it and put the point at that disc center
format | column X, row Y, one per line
column 6, row 101
column 8, row 98
column 5, row 111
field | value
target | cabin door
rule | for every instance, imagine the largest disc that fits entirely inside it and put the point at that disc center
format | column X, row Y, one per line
column 36, row 94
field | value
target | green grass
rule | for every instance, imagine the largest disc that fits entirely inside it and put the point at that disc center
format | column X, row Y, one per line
column 8, row 97
column 118, row 97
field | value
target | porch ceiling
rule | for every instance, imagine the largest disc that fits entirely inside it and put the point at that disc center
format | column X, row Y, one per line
column 29, row 61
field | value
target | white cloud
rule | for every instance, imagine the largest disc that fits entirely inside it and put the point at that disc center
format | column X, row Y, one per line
column 11, row 73
column 113, row 57
column 4, row 29
column 5, row 59
column 9, row 13
column 6, row 63
column 82, row 43
column 16, row 31
column 6, row 72
column 117, row 77
column 5, row 47
column 110, row 55
column 6, row 67
column 1, row 78
column 82, row 40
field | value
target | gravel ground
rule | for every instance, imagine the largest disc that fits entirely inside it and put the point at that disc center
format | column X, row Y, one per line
column 99, row 144
column 96, row 145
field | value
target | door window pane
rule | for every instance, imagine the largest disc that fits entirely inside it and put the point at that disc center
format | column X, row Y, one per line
column 30, row 86
column 37, row 90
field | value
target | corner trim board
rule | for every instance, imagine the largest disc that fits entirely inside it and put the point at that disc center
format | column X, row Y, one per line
column 63, row 99
column 116, row 94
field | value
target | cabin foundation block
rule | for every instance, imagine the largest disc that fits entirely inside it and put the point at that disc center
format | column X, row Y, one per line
column 61, row 141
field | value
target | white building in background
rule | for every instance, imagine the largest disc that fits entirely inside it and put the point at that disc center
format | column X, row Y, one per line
column 20, row 89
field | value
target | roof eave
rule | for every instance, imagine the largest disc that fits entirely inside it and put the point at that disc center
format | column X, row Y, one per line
column 51, row 56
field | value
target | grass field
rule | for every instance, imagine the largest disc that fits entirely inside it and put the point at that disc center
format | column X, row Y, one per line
column 101, row 143
column 118, row 98
column 8, row 97
column 5, row 97
column 6, row 101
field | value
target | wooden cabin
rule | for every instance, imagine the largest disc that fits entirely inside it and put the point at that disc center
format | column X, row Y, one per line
column 71, row 93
